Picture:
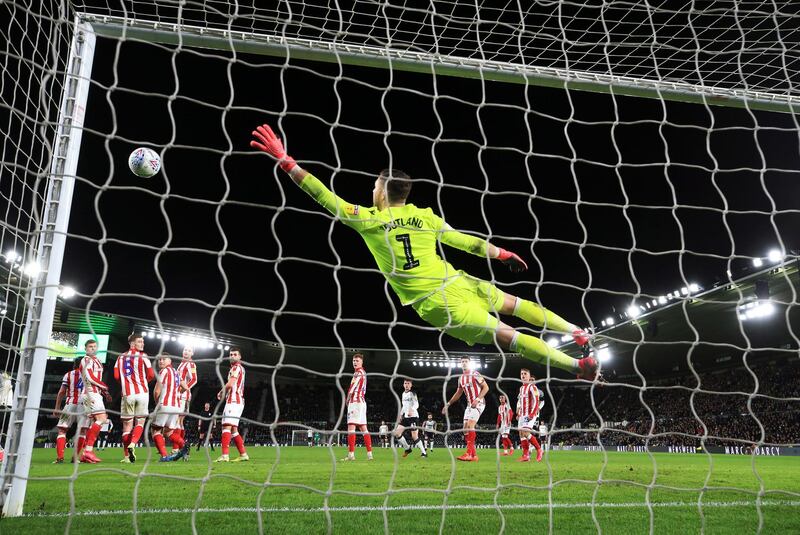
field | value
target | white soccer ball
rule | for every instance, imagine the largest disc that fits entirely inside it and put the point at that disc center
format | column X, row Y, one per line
column 144, row 162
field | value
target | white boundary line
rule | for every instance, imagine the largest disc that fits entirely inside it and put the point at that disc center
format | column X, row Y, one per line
column 482, row 506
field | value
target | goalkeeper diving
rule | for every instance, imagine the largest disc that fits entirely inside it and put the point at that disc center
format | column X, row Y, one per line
column 403, row 239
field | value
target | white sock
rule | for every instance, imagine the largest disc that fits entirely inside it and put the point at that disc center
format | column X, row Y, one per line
column 403, row 442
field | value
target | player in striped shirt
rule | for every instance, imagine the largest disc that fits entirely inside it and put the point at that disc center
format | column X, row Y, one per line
column 528, row 406
column 94, row 390
column 505, row 417
column 167, row 394
column 133, row 371
column 357, row 409
column 409, row 414
column 233, row 392
column 70, row 393
column 405, row 243
column 474, row 388
column 187, row 370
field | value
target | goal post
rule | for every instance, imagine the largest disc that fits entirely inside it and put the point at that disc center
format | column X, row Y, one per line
column 41, row 299
column 244, row 41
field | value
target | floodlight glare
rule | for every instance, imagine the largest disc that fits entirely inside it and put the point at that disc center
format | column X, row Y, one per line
column 603, row 323
column 654, row 302
column 662, row 300
column 67, row 292
column 694, row 288
column 227, row 348
column 684, row 291
column 11, row 256
column 32, row 269
column 774, row 256
column 633, row 311
column 757, row 262
column 603, row 354
column 566, row 338
column 552, row 341
column 609, row 321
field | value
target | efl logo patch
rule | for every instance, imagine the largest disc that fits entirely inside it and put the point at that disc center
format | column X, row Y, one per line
column 351, row 209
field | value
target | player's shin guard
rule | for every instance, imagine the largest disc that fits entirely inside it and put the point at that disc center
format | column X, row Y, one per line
column 368, row 442
column 226, row 442
column 136, row 434
column 237, row 439
column 535, row 349
column 351, row 442
column 61, row 445
column 91, row 436
column 161, row 445
column 540, row 316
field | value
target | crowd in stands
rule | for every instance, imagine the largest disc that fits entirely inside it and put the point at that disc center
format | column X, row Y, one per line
column 725, row 407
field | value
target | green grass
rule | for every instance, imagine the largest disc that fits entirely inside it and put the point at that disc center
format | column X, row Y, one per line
column 302, row 479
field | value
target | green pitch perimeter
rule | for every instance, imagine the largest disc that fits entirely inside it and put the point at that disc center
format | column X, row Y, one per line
column 495, row 494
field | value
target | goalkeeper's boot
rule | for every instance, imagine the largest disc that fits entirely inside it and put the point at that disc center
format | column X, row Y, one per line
column 539, row 454
column 587, row 367
column 241, row 458
column 223, row 459
column 581, row 337
column 407, row 452
column 132, row 453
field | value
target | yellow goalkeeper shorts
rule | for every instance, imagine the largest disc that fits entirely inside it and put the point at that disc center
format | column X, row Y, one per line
column 464, row 309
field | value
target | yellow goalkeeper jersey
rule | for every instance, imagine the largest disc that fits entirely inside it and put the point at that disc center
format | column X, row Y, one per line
column 402, row 239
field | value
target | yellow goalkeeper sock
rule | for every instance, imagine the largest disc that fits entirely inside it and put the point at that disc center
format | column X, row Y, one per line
column 535, row 349
column 537, row 315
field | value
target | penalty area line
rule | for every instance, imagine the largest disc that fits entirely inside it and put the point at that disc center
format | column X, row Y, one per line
column 454, row 507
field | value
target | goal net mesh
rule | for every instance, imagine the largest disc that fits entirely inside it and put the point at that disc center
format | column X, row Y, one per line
column 642, row 158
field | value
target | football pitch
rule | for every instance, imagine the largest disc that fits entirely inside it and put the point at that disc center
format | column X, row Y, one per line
column 306, row 490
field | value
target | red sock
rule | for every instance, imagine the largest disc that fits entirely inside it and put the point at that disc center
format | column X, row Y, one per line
column 91, row 435
column 136, row 434
column 351, row 442
column 470, row 442
column 505, row 443
column 61, row 444
column 368, row 441
column 161, row 446
column 239, row 441
column 126, row 439
column 177, row 441
column 183, row 434
column 535, row 443
column 82, row 441
column 226, row 442
column 525, row 446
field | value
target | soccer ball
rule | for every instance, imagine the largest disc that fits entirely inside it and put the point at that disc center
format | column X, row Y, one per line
column 144, row 162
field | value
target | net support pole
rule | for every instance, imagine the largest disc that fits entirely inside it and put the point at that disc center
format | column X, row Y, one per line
column 50, row 254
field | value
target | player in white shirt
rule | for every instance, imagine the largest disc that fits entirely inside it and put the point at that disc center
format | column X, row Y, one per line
column 383, row 432
column 472, row 385
column 310, row 436
column 429, row 428
column 104, row 431
column 409, row 417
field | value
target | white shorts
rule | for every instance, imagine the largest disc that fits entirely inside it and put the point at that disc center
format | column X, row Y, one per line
column 527, row 423
column 505, row 430
column 166, row 417
column 357, row 413
column 232, row 413
column 135, row 405
column 474, row 413
column 71, row 413
column 93, row 403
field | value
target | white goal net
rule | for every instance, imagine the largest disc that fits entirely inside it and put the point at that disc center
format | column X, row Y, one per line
column 641, row 157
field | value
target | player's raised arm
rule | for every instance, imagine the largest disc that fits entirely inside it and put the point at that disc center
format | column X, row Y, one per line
column 481, row 247
column 267, row 141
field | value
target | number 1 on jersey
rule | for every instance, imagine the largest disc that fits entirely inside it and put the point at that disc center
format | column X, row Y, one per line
column 410, row 262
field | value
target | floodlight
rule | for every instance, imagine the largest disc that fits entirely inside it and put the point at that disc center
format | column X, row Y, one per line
column 67, row 292
column 11, row 256
column 32, row 269
column 694, row 288
column 662, row 300
column 609, row 321
column 774, row 256
column 684, row 291
column 552, row 341
column 227, row 348
column 757, row 262
column 633, row 311
column 603, row 323
column 603, row 354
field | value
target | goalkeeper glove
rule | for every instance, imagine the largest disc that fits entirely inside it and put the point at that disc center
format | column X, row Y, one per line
column 513, row 261
column 268, row 142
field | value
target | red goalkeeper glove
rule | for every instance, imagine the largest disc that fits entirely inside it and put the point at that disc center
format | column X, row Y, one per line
column 513, row 261
column 267, row 141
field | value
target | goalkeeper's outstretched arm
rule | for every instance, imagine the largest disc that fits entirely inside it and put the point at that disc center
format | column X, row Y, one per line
column 481, row 247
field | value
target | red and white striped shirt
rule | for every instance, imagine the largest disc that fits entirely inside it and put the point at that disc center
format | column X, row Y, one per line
column 470, row 383
column 358, row 386
column 236, row 394
column 132, row 369
column 74, row 384
column 504, row 415
column 188, row 373
column 528, row 401
column 91, row 373
column 170, row 387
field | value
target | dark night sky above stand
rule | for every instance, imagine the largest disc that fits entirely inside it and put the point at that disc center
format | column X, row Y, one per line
column 232, row 231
